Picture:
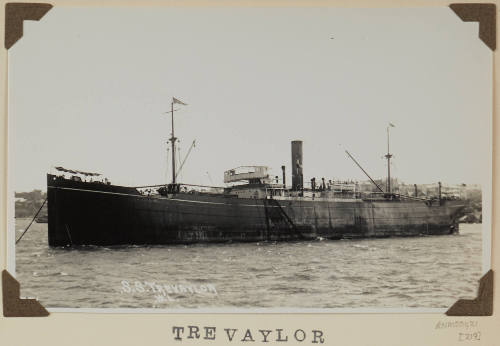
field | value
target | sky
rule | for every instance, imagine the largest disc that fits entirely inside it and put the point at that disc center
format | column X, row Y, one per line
column 88, row 88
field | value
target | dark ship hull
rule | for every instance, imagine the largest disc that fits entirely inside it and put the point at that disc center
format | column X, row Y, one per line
column 81, row 213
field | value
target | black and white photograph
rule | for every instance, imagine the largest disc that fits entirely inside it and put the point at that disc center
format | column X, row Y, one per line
column 218, row 159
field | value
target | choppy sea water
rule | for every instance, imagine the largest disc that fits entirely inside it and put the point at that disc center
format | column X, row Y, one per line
column 421, row 272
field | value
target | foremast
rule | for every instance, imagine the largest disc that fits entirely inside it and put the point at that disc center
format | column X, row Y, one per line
column 173, row 139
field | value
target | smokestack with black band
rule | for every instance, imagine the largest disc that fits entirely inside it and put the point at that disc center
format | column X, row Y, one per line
column 284, row 177
column 297, row 173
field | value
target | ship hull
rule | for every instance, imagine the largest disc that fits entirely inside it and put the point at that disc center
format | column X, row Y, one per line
column 97, row 214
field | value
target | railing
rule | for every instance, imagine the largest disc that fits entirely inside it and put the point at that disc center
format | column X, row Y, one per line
column 279, row 191
column 165, row 189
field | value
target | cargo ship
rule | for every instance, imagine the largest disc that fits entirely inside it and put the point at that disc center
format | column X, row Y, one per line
column 85, row 209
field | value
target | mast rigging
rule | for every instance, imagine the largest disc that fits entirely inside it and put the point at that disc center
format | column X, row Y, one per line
column 356, row 162
column 173, row 138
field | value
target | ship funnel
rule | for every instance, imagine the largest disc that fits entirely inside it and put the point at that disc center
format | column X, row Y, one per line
column 284, row 176
column 297, row 173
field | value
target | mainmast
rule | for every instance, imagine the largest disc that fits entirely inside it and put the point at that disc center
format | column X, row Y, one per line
column 388, row 157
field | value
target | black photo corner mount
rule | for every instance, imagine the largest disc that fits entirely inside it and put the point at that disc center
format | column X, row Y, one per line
column 482, row 305
column 485, row 14
column 13, row 305
column 16, row 13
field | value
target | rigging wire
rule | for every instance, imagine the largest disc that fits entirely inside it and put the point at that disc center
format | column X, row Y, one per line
column 34, row 217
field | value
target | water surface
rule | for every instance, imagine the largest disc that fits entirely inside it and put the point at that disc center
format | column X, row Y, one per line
column 423, row 272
